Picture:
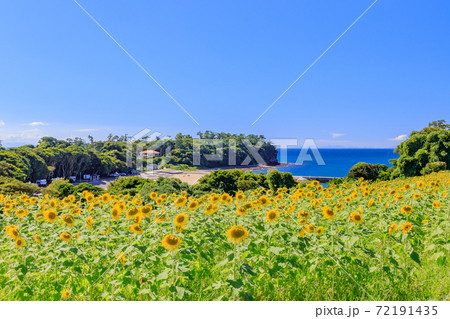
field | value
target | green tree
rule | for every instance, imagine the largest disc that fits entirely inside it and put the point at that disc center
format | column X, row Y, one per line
column 424, row 151
column 19, row 167
column 11, row 186
column 366, row 170
column 38, row 167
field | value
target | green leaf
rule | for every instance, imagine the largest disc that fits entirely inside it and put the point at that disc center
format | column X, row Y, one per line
column 247, row 269
column 23, row 269
column 223, row 263
column 235, row 283
column 142, row 249
column 180, row 292
column 217, row 285
column 144, row 291
column 163, row 275
column 183, row 269
column 441, row 261
column 276, row 250
column 393, row 261
column 247, row 296
column 415, row 256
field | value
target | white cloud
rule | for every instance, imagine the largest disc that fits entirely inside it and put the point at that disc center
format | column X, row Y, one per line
column 336, row 135
column 399, row 138
column 36, row 124
column 25, row 136
column 87, row 130
column 2, row 123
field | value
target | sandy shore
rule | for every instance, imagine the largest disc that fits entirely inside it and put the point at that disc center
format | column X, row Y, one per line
column 192, row 177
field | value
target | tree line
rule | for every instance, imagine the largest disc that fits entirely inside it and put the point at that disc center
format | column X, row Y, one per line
column 52, row 157
column 424, row 152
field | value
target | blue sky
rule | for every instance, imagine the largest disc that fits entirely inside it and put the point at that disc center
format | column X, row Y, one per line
column 225, row 62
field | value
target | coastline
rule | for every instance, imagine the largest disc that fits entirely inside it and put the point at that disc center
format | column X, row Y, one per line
column 191, row 177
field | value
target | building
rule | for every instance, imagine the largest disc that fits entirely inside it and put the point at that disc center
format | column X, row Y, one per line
column 150, row 153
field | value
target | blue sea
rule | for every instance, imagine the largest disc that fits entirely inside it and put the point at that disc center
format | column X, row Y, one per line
column 337, row 161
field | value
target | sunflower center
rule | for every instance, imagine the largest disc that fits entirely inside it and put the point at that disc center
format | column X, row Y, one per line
column 180, row 219
column 172, row 240
column 237, row 233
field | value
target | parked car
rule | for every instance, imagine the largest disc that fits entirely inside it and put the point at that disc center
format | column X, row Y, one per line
column 41, row 182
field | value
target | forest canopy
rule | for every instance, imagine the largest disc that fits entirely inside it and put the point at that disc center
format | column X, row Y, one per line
column 53, row 158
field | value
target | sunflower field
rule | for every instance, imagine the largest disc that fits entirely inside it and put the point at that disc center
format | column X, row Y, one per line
column 355, row 241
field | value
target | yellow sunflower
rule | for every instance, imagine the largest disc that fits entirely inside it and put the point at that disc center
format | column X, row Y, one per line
column 328, row 213
column 240, row 196
column 417, row 196
column 106, row 198
column 65, row 294
column 12, row 231
column 237, row 234
column 310, row 228
column 406, row 209
column 181, row 220
column 180, row 201
column 138, row 218
column 133, row 211
column 116, row 212
column 90, row 222
column 21, row 213
column 356, row 217
column 89, row 197
column 171, row 242
column 272, row 215
column 68, row 220
column 211, row 209
column 193, row 205
column 437, row 205
column 263, row 200
column 53, row 203
column 319, row 230
column 122, row 258
column 65, row 237
column 50, row 215
column 406, row 227
column 161, row 218
column 241, row 211
column 303, row 214
column 136, row 229
column 20, row 242
column 153, row 195
column 393, row 228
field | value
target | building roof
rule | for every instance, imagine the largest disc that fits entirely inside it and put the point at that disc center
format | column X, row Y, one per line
column 149, row 152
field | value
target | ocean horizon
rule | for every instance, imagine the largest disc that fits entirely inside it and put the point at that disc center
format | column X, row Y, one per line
column 338, row 161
